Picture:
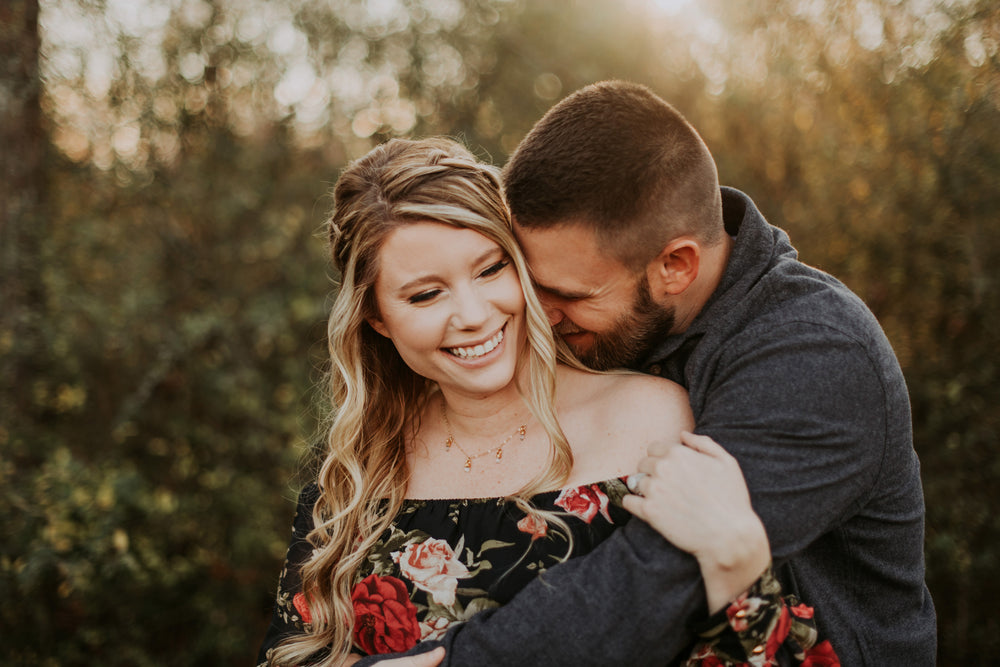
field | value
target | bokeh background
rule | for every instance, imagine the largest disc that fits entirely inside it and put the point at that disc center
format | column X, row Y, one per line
column 165, row 168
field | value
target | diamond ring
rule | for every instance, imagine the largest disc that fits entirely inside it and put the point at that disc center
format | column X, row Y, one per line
column 633, row 482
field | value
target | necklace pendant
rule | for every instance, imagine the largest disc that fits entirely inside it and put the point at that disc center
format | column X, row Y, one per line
column 497, row 452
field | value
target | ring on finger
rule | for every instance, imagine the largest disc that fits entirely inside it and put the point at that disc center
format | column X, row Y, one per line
column 633, row 482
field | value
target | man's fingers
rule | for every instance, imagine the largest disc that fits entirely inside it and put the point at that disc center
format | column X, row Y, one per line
column 648, row 465
column 633, row 480
column 432, row 659
column 699, row 443
column 703, row 444
column 636, row 505
column 660, row 447
column 429, row 659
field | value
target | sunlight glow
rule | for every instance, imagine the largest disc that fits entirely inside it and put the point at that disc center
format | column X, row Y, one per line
column 672, row 7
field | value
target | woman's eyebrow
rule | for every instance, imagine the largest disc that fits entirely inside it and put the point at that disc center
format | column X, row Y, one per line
column 431, row 277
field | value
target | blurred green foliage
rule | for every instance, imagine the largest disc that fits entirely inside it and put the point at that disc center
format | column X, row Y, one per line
column 165, row 282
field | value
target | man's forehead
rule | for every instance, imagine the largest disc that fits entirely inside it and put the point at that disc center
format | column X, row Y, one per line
column 567, row 260
column 557, row 239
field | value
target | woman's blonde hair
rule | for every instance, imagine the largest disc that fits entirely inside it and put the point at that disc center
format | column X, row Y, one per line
column 376, row 398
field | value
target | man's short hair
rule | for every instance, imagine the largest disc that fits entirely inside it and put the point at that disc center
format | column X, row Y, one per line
column 619, row 159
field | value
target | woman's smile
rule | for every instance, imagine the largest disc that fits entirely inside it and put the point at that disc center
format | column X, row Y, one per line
column 476, row 351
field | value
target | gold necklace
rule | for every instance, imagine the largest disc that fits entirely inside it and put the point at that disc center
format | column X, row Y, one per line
column 521, row 431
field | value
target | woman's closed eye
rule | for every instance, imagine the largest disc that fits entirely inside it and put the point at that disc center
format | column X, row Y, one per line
column 430, row 294
column 424, row 296
column 494, row 269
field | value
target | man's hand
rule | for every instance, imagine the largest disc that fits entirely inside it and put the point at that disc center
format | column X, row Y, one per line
column 694, row 495
column 429, row 659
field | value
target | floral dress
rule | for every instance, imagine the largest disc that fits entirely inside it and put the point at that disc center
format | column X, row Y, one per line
column 442, row 561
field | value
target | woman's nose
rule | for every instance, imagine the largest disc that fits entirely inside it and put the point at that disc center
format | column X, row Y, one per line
column 471, row 309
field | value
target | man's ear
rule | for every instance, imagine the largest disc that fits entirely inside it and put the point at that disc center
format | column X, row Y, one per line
column 675, row 268
column 376, row 324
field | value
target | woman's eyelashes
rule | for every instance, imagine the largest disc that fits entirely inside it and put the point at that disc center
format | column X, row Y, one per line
column 488, row 272
column 495, row 268
column 424, row 296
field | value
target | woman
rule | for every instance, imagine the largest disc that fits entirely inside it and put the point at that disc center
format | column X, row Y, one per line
column 467, row 454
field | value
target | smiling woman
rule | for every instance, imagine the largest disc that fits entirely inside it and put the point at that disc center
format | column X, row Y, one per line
column 430, row 323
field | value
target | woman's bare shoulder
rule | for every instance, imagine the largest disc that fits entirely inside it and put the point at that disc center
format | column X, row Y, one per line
column 622, row 389
column 629, row 402
column 611, row 419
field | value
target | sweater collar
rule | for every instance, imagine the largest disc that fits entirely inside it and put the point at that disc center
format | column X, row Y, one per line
column 756, row 246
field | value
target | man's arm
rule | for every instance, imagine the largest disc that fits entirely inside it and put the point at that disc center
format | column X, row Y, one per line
column 602, row 609
column 804, row 413
column 805, row 410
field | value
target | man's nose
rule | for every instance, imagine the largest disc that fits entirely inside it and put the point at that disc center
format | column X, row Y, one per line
column 552, row 311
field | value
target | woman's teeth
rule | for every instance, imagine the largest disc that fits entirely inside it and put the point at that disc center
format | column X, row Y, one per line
column 478, row 350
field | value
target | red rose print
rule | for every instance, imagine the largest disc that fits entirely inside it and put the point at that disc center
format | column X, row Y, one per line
column 704, row 656
column 533, row 526
column 740, row 610
column 821, row 655
column 434, row 628
column 585, row 502
column 803, row 611
column 301, row 606
column 385, row 620
column 777, row 637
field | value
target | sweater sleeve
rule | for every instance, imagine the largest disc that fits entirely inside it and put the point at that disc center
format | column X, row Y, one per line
column 803, row 410
column 625, row 603
column 762, row 626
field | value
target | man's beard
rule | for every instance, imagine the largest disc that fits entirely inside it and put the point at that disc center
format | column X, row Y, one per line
column 632, row 336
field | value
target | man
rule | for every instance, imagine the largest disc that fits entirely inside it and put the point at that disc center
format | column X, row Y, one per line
column 643, row 261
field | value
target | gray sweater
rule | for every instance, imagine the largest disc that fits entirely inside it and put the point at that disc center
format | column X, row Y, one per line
column 791, row 373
